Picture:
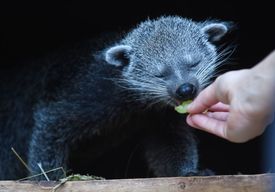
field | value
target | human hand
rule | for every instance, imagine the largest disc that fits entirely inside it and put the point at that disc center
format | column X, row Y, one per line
column 239, row 103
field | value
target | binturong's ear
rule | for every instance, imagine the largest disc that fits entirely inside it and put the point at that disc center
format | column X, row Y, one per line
column 118, row 55
column 215, row 31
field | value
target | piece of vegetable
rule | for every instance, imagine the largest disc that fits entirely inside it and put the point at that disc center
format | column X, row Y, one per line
column 182, row 108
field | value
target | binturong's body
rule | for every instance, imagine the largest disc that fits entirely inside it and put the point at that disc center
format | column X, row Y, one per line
column 108, row 94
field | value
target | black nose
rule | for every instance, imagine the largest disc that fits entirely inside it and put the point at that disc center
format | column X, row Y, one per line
column 186, row 91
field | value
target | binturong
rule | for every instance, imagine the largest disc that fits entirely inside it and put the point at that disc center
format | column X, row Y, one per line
column 110, row 92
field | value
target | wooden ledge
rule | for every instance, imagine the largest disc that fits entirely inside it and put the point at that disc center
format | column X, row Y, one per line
column 223, row 183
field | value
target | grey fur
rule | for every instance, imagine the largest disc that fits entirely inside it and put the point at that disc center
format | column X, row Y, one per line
column 170, row 44
column 111, row 92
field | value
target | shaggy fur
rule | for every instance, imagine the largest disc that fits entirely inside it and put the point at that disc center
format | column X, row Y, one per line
column 111, row 91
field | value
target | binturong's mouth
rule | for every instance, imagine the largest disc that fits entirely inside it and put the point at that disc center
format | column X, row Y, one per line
column 182, row 108
column 183, row 95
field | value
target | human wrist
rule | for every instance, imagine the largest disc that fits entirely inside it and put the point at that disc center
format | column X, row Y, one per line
column 267, row 66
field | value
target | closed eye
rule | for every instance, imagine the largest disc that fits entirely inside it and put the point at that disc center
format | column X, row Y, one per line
column 194, row 64
column 192, row 60
column 164, row 73
column 160, row 75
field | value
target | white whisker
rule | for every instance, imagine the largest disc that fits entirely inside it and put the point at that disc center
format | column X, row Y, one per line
column 209, row 71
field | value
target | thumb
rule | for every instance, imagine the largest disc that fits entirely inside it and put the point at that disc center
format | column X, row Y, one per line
column 204, row 100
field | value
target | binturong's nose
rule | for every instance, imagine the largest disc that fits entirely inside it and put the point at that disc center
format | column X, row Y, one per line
column 186, row 91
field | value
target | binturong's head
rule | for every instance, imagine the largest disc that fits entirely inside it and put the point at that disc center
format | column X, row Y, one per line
column 168, row 60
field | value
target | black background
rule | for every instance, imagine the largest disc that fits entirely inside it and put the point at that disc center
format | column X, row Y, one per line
column 31, row 29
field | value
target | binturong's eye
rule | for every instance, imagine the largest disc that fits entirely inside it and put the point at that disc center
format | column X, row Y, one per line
column 193, row 64
column 163, row 73
column 192, row 60
column 160, row 75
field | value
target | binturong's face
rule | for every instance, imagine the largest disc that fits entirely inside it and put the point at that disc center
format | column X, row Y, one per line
column 168, row 60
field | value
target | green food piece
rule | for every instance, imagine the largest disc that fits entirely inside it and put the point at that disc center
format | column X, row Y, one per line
column 182, row 108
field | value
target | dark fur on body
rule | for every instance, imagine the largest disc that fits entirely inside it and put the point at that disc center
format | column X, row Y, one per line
column 109, row 92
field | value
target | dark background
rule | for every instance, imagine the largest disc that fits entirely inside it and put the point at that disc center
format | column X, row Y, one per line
column 31, row 29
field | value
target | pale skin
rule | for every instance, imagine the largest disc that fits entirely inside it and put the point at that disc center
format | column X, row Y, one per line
column 239, row 104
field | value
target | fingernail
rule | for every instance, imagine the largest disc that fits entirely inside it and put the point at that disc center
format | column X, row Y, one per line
column 189, row 107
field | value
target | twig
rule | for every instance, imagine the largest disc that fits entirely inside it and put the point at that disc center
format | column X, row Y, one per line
column 52, row 170
column 76, row 177
column 21, row 160
column 43, row 172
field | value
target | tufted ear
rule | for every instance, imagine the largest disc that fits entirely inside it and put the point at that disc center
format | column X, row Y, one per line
column 118, row 55
column 215, row 31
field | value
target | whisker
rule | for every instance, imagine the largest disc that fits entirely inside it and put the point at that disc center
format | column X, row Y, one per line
column 209, row 71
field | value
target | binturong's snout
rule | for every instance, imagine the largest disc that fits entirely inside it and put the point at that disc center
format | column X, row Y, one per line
column 186, row 91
